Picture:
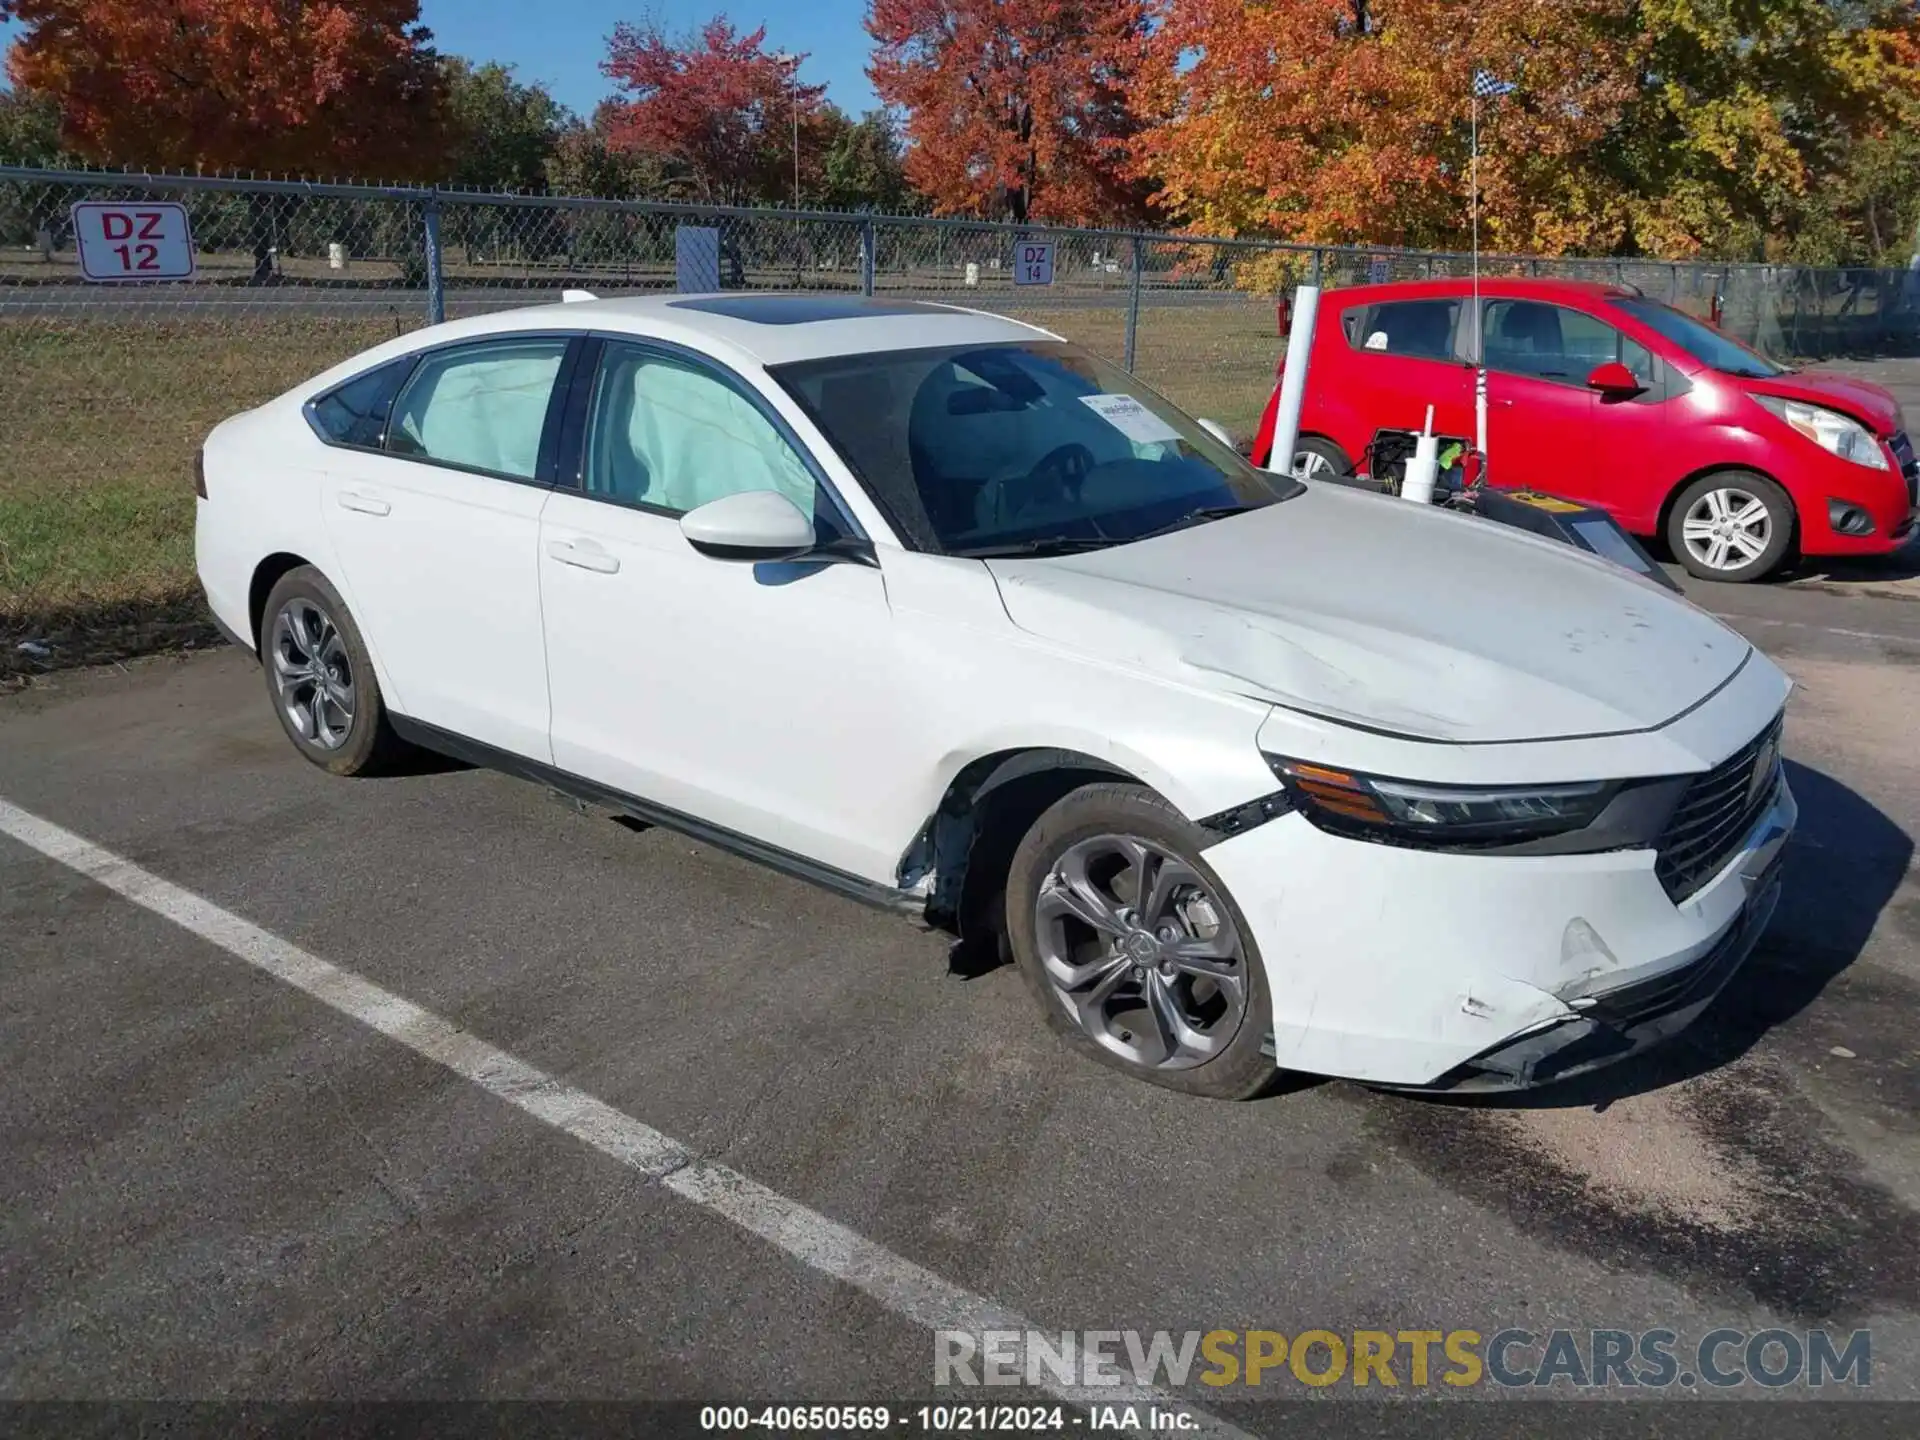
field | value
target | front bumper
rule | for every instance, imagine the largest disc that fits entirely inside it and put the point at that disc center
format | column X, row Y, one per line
column 1891, row 498
column 1458, row 971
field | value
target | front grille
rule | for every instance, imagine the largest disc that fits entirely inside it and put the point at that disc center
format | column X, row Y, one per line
column 1714, row 815
column 1902, row 448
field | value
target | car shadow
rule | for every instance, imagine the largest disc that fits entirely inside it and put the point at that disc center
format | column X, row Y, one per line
column 1902, row 564
column 1845, row 863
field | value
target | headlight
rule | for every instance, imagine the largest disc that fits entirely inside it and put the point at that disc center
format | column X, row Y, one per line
column 1838, row 434
column 1403, row 812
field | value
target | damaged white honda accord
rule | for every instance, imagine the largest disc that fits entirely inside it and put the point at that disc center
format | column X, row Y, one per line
column 942, row 612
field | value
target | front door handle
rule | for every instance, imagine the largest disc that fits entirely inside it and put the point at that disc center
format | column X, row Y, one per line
column 365, row 504
column 584, row 556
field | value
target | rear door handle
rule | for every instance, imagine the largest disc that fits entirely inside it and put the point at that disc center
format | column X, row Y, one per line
column 584, row 555
column 365, row 504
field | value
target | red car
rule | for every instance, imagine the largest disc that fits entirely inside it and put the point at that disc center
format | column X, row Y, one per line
column 1605, row 396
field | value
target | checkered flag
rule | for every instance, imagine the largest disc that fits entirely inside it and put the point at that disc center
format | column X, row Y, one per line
column 1486, row 85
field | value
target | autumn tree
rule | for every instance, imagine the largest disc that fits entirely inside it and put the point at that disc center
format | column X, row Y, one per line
column 718, row 105
column 1348, row 120
column 1019, row 109
column 309, row 87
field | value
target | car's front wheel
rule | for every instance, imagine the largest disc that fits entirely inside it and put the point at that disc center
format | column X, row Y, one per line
column 1732, row 525
column 320, row 679
column 1133, row 948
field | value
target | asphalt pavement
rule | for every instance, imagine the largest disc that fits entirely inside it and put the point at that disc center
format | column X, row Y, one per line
column 301, row 1077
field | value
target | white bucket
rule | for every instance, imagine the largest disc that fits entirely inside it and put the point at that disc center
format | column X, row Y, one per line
column 336, row 256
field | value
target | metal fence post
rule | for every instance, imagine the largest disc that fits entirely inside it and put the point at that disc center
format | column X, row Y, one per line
column 1314, row 269
column 868, row 260
column 436, row 272
column 1133, row 302
column 1673, row 285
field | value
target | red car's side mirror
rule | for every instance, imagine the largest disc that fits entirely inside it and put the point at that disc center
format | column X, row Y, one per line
column 1613, row 378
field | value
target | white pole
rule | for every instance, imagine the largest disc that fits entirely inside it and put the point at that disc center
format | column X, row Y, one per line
column 1479, row 340
column 1293, row 379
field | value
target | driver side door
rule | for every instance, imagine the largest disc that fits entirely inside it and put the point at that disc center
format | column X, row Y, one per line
column 754, row 697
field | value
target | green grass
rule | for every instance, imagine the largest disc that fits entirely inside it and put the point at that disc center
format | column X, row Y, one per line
column 99, row 421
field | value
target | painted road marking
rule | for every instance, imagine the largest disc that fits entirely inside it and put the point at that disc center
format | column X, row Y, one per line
column 822, row 1244
column 1879, row 635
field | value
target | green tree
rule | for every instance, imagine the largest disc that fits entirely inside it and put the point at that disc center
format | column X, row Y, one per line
column 30, row 129
column 863, row 166
column 585, row 162
column 502, row 132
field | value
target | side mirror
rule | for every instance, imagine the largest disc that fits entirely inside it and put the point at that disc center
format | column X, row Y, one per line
column 1218, row 431
column 754, row 525
column 1613, row 378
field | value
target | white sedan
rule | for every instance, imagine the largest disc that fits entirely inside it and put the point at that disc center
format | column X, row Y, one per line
column 946, row 614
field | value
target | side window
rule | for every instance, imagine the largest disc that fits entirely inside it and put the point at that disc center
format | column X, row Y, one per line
column 356, row 413
column 1551, row 342
column 481, row 407
column 672, row 435
column 1637, row 358
column 1419, row 328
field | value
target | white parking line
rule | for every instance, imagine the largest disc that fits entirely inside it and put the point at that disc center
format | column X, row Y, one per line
column 1823, row 629
column 824, row 1245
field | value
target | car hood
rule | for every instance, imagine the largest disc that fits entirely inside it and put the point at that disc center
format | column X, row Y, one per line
column 1862, row 399
column 1375, row 612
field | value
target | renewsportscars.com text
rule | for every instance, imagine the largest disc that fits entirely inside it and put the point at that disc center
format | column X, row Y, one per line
column 1580, row 1359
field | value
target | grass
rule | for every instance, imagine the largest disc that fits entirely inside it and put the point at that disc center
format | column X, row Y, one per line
column 100, row 418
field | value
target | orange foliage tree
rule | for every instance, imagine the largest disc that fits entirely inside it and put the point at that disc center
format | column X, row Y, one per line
column 1347, row 120
column 1018, row 109
column 313, row 87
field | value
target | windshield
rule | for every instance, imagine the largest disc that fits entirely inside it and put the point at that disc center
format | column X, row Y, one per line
column 1021, row 448
column 1700, row 340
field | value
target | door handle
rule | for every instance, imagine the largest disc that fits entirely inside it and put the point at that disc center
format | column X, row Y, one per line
column 584, row 557
column 365, row 504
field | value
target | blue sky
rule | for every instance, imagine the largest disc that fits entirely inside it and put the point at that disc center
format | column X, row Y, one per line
column 560, row 43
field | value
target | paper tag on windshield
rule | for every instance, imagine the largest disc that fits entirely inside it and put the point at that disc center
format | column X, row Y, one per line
column 1130, row 418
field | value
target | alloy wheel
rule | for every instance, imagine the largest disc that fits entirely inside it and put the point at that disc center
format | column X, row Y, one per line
column 1727, row 529
column 312, row 674
column 1311, row 465
column 1142, row 956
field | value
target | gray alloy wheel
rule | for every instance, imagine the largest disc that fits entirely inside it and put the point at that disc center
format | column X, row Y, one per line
column 1727, row 528
column 312, row 673
column 1142, row 958
column 1311, row 465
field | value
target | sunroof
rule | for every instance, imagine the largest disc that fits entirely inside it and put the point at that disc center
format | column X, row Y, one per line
column 801, row 309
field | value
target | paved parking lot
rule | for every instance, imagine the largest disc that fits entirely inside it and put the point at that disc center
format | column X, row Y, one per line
column 219, row 1184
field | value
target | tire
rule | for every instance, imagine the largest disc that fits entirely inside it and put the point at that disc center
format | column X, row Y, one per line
column 1316, row 458
column 306, row 630
column 1217, row 1028
column 1746, row 548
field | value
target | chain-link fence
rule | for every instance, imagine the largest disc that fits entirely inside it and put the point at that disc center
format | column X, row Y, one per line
column 106, row 389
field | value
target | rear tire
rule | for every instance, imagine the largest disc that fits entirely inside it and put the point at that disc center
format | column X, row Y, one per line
column 1167, row 987
column 1731, row 525
column 320, row 679
column 1315, row 458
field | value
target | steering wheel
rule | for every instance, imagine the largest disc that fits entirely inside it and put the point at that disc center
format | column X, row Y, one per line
column 1055, row 476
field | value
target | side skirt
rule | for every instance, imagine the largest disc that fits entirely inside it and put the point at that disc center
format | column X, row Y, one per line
column 488, row 757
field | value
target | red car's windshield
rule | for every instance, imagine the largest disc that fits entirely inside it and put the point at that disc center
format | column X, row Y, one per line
column 1702, row 341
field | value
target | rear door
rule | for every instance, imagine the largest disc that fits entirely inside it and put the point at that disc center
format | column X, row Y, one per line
column 1401, row 360
column 437, row 528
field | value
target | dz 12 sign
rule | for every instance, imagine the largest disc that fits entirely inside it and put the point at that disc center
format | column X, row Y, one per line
column 1033, row 262
column 121, row 240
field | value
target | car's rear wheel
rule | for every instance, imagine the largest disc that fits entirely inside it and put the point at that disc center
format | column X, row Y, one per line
column 322, row 683
column 1731, row 525
column 1315, row 458
column 1138, row 957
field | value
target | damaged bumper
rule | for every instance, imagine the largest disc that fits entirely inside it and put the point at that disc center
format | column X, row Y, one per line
column 1425, row 970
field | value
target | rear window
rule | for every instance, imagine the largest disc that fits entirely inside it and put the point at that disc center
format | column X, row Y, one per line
column 1420, row 328
column 356, row 412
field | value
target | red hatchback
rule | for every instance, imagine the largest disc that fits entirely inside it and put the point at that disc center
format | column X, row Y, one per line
column 1604, row 396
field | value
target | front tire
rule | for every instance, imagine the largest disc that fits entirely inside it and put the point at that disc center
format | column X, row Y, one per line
column 1732, row 525
column 1315, row 458
column 1138, row 957
column 320, row 679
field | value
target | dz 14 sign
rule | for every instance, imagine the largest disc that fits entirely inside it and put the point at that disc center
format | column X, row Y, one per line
column 1033, row 262
column 120, row 240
